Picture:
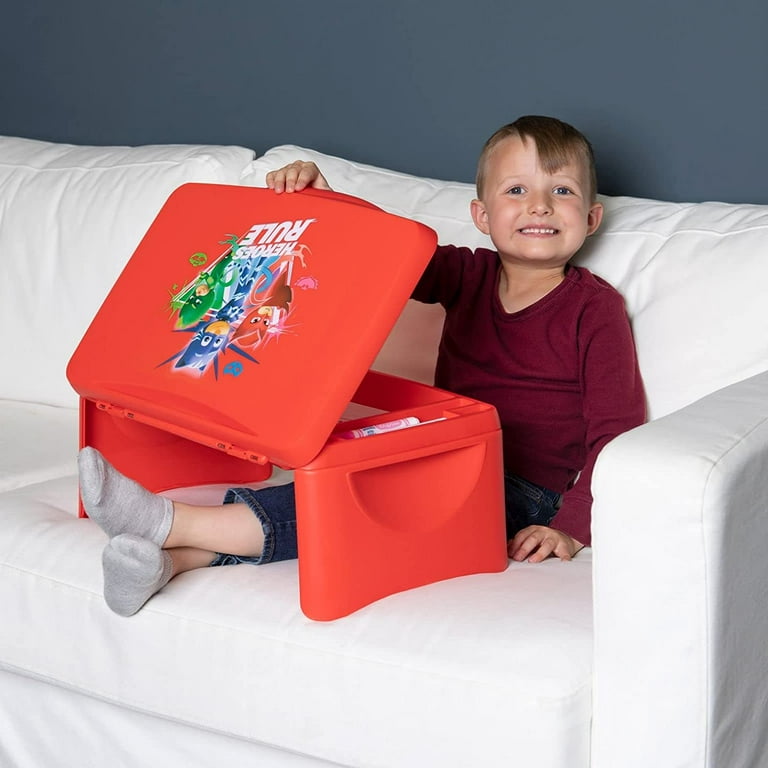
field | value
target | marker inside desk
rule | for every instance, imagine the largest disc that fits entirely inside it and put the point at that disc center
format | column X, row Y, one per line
column 387, row 426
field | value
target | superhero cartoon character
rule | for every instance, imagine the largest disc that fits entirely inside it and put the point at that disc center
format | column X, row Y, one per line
column 269, row 314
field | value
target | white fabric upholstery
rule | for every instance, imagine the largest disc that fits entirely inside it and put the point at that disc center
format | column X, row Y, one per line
column 692, row 277
column 38, row 442
column 228, row 649
column 69, row 220
column 94, row 732
column 679, row 529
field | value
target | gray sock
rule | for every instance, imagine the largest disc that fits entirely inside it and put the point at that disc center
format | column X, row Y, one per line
column 134, row 569
column 119, row 504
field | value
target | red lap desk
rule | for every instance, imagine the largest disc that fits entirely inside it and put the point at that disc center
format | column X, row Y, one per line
column 237, row 337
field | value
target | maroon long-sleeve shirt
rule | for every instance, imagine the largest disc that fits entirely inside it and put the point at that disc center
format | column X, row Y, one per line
column 562, row 373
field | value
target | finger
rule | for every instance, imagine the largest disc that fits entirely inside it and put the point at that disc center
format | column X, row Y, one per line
column 276, row 180
column 515, row 546
column 291, row 173
column 544, row 550
column 296, row 176
column 321, row 182
column 308, row 174
column 525, row 542
column 284, row 179
column 562, row 550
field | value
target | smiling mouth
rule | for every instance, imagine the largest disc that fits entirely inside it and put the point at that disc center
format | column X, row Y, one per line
column 538, row 231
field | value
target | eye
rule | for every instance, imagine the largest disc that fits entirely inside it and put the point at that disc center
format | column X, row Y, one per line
column 562, row 190
column 516, row 190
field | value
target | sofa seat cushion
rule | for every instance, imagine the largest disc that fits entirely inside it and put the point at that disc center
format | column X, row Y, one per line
column 509, row 655
column 70, row 218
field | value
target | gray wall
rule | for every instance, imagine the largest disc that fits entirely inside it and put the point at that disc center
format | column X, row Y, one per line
column 673, row 93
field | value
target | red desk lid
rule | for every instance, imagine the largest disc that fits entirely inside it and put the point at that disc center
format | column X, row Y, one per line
column 246, row 319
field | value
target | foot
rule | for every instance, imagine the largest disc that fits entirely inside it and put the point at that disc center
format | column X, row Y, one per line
column 134, row 570
column 119, row 504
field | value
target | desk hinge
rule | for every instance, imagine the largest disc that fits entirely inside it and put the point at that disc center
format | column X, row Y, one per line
column 112, row 410
column 242, row 453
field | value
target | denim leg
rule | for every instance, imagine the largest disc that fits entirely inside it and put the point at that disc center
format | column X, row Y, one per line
column 275, row 508
column 527, row 504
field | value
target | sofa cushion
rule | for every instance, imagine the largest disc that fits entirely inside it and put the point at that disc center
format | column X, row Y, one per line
column 693, row 276
column 506, row 655
column 70, row 217
column 37, row 443
column 680, row 267
column 442, row 205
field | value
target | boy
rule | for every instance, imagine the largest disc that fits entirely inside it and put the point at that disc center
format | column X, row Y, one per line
column 547, row 343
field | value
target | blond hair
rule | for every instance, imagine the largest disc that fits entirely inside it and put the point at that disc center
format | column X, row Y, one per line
column 557, row 143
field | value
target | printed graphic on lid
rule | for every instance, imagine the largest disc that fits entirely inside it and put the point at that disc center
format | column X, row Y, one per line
column 243, row 299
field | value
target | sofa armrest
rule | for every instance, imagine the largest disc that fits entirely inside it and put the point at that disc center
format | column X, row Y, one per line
column 680, row 531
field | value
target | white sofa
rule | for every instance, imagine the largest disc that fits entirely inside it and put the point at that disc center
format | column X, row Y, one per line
column 649, row 653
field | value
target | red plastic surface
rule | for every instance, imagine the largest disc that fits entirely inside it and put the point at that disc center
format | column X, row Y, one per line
column 247, row 319
column 398, row 510
column 158, row 459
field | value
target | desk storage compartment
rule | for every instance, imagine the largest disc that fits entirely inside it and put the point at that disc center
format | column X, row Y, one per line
column 397, row 510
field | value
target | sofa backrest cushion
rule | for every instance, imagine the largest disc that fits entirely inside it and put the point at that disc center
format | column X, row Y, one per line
column 70, row 217
column 692, row 275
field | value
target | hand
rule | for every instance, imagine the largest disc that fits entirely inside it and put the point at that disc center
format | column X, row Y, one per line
column 538, row 542
column 296, row 176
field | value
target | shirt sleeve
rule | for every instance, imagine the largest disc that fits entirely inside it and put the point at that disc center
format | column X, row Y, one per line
column 442, row 279
column 613, row 396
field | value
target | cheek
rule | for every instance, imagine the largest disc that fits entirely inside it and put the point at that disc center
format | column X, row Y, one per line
column 503, row 216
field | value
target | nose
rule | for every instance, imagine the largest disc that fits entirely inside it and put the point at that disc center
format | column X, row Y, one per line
column 540, row 203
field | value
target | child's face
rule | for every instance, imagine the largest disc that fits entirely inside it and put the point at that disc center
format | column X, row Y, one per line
column 533, row 217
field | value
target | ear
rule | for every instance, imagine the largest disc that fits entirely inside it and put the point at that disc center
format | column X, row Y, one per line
column 479, row 216
column 594, row 217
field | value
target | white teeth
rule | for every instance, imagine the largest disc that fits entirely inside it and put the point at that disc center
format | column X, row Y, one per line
column 538, row 231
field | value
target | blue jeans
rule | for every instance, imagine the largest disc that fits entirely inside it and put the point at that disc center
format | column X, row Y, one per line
column 526, row 504
column 275, row 507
